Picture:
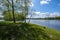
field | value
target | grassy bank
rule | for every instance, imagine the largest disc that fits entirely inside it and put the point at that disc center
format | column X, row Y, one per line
column 25, row 31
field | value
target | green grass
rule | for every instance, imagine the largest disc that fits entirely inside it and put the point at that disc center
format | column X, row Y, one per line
column 25, row 31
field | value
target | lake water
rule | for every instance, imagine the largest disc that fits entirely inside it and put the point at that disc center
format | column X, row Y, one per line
column 55, row 24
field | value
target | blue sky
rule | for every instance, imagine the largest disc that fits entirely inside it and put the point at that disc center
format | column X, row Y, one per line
column 50, row 6
column 45, row 8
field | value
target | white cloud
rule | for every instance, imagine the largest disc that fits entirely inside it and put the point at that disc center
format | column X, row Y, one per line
column 54, row 14
column 45, row 14
column 36, row 12
column 59, row 4
column 44, row 2
column 39, row 15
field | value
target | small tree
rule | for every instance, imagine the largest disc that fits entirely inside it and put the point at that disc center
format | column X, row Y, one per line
column 18, row 16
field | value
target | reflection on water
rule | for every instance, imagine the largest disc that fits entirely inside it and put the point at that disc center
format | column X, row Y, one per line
column 50, row 23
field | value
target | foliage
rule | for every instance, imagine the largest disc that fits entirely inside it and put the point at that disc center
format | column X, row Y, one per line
column 9, row 17
column 20, row 5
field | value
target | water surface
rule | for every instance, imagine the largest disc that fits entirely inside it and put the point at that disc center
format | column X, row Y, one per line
column 55, row 24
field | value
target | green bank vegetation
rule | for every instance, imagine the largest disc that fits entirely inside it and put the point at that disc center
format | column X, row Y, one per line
column 25, row 31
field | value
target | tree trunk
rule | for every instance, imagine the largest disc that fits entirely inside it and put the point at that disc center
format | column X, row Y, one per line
column 13, row 11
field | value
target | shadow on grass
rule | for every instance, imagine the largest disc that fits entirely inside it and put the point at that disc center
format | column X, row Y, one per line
column 21, row 31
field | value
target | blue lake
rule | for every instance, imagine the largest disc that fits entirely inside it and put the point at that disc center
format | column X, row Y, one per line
column 55, row 24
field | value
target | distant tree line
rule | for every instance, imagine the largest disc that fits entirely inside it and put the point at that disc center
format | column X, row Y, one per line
column 53, row 18
column 48, row 18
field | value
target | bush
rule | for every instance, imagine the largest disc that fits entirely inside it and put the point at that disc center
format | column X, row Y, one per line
column 8, row 16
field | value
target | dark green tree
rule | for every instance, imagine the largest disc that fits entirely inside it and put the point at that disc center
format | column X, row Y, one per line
column 18, row 16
